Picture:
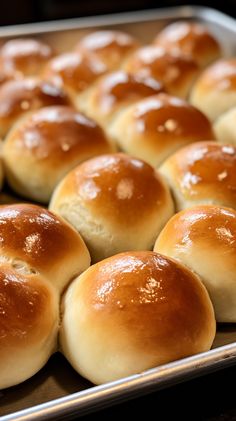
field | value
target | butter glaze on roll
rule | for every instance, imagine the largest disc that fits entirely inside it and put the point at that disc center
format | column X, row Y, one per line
column 27, row 56
column 114, row 92
column 154, row 128
column 202, row 173
column 74, row 72
column 116, row 202
column 132, row 312
column 18, row 97
column 39, row 255
column 175, row 71
column 111, row 47
column 49, row 143
column 190, row 38
column 215, row 90
column 204, row 239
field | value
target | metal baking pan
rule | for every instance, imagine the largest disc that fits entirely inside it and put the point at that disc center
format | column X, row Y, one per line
column 57, row 390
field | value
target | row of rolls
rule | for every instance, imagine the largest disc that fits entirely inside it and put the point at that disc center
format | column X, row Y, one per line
column 133, row 150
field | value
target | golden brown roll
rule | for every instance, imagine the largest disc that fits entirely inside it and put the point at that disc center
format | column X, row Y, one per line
column 225, row 127
column 29, row 320
column 18, row 97
column 74, row 72
column 154, row 128
column 202, row 173
column 35, row 241
column 111, row 47
column 190, row 38
column 116, row 202
column 215, row 90
column 132, row 312
column 203, row 238
column 25, row 55
column 114, row 92
column 47, row 144
column 177, row 72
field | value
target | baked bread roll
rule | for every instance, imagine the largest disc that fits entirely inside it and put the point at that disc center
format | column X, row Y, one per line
column 34, row 240
column 47, row 144
column 203, row 238
column 190, row 38
column 154, row 128
column 111, row 47
column 132, row 312
column 225, row 127
column 177, row 72
column 39, row 255
column 74, row 72
column 215, row 90
column 202, row 173
column 29, row 321
column 116, row 202
column 114, row 92
column 25, row 55
column 18, row 97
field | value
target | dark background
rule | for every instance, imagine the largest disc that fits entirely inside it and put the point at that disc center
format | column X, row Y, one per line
column 22, row 11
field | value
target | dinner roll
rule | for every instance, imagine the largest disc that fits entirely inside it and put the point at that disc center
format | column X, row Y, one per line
column 154, row 128
column 115, row 91
column 29, row 320
column 47, row 144
column 204, row 238
column 177, row 72
column 34, row 240
column 215, row 90
column 17, row 97
column 202, row 173
column 111, row 47
column 25, row 55
column 190, row 38
column 132, row 312
column 74, row 72
column 116, row 202
column 225, row 127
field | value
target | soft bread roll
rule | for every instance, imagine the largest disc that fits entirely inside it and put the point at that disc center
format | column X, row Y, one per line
column 18, row 97
column 115, row 91
column 47, row 144
column 34, row 240
column 154, row 128
column 202, row 173
column 203, row 238
column 177, row 72
column 111, row 47
column 1, row 171
column 116, row 202
column 132, row 312
column 225, row 127
column 215, row 90
column 25, row 55
column 190, row 38
column 29, row 320
column 74, row 72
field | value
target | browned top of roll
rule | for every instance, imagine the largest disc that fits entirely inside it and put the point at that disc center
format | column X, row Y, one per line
column 150, row 299
column 27, row 310
column 191, row 38
column 25, row 55
column 36, row 236
column 173, row 70
column 74, row 71
column 116, row 186
column 56, row 136
column 205, row 170
column 20, row 96
column 112, row 47
column 220, row 76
